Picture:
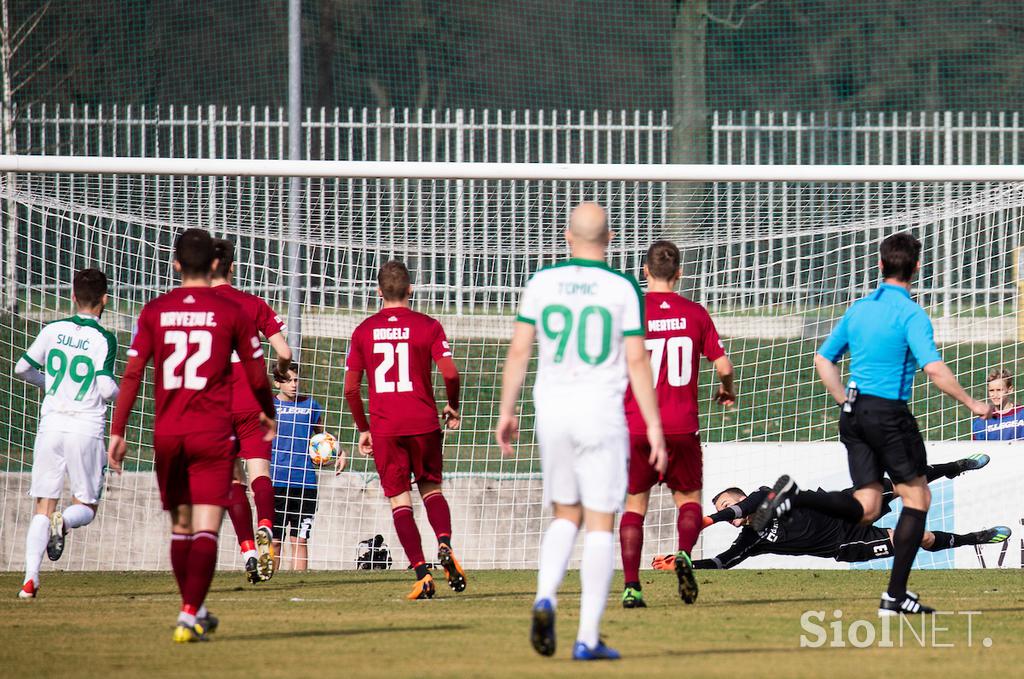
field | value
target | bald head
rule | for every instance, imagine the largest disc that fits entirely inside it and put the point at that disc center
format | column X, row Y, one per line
column 588, row 223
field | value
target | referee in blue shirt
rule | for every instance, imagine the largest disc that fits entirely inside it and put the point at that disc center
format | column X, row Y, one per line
column 889, row 337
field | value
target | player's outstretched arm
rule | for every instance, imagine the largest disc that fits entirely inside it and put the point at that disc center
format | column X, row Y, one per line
column 29, row 373
column 639, row 367
column 130, row 384
column 943, row 378
column 354, row 398
column 452, row 385
column 107, row 387
column 726, row 388
column 741, row 509
column 284, row 352
column 828, row 372
column 738, row 551
column 512, row 376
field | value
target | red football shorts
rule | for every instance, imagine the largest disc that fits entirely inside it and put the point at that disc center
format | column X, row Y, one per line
column 400, row 457
column 685, row 464
column 194, row 469
column 250, row 433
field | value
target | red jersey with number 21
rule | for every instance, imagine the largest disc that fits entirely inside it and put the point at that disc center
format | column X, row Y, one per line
column 397, row 347
column 190, row 334
column 678, row 332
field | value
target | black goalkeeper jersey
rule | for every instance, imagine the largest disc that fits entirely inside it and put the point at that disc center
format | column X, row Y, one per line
column 804, row 532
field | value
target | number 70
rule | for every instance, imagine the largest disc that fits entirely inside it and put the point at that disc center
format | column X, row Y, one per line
column 679, row 351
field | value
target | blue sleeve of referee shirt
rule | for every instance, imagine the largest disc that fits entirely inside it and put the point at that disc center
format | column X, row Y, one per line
column 836, row 344
column 921, row 339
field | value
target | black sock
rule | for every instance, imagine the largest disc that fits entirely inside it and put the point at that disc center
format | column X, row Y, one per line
column 906, row 539
column 834, row 503
column 948, row 541
column 634, row 585
column 445, row 540
column 938, row 471
column 422, row 571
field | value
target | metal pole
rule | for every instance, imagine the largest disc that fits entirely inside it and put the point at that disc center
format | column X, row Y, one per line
column 294, row 183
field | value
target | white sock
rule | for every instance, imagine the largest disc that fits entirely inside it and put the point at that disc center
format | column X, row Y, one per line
column 596, row 577
column 202, row 612
column 250, row 554
column 77, row 516
column 555, row 550
column 35, row 545
column 184, row 617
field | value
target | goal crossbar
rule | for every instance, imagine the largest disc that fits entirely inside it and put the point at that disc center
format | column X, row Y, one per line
column 358, row 169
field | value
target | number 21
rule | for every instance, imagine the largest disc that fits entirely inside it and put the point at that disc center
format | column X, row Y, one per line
column 390, row 353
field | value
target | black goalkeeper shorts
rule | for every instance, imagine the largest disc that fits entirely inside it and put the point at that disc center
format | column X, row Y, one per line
column 881, row 437
column 864, row 543
column 294, row 510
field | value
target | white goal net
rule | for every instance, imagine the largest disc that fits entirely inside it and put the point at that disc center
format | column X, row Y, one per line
column 775, row 262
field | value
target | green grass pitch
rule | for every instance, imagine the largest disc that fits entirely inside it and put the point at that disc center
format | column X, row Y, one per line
column 354, row 624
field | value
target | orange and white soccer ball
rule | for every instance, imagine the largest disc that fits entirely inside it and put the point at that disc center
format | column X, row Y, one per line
column 322, row 448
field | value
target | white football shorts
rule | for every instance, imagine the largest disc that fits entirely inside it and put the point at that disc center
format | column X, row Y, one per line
column 83, row 458
column 584, row 451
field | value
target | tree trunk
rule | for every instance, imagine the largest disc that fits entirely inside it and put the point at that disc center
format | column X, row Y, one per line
column 326, row 49
column 689, row 133
column 10, row 216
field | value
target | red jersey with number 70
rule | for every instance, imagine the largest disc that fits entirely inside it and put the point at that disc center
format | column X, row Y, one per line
column 678, row 332
column 397, row 347
column 190, row 334
column 268, row 323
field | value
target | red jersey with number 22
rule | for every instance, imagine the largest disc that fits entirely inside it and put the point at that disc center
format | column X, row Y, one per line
column 678, row 332
column 190, row 334
column 397, row 347
column 268, row 323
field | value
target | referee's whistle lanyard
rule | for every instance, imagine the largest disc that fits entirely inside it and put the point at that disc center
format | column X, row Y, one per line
column 851, row 397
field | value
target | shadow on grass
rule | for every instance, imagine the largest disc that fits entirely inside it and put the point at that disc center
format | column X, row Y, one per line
column 351, row 632
column 763, row 602
column 690, row 652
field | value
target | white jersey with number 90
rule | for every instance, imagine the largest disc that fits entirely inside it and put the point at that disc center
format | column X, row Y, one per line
column 582, row 310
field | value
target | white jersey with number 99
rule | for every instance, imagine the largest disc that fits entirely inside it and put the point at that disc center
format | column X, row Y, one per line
column 73, row 353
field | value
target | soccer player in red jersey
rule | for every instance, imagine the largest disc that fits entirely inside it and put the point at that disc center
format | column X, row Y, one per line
column 257, row 548
column 678, row 332
column 190, row 333
column 396, row 346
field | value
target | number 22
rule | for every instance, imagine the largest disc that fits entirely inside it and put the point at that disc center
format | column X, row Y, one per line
column 190, row 377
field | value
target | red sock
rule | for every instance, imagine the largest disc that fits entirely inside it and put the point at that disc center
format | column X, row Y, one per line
column 181, row 545
column 263, row 497
column 689, row 524
column 440, row 516
column 202, row 561
column 408, row 534
column 631, row 539
column 241, row 517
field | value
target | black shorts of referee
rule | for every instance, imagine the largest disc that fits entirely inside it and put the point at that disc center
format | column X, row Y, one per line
column 294, row 511
column 881, row 437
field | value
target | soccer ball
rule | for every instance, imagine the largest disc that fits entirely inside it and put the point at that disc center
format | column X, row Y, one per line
column 322, row 448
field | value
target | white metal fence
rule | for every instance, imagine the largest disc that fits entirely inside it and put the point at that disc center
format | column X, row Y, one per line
column 739, row 268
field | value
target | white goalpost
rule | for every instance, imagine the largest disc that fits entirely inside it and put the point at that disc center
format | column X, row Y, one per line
column 776, row 253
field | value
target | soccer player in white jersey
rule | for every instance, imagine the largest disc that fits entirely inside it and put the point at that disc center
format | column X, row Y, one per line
column 591, row 343
column 72, row 361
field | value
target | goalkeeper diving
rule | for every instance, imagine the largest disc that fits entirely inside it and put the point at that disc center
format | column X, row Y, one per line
column 807, row 532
